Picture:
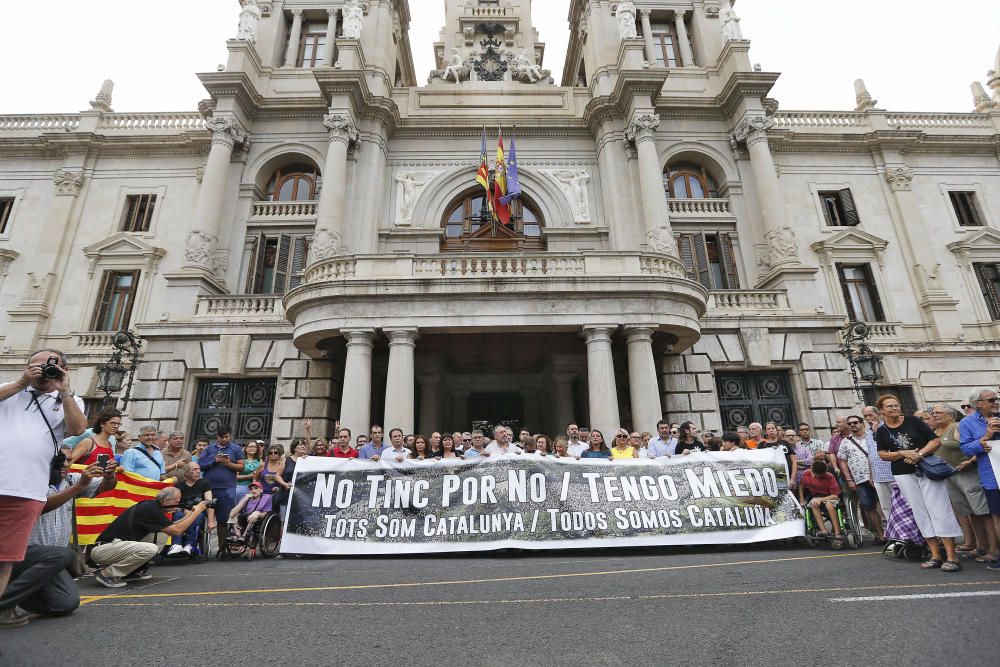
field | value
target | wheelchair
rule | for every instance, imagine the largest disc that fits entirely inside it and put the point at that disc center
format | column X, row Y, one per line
column 199, row 553
column 849, row 520
column 263, row 539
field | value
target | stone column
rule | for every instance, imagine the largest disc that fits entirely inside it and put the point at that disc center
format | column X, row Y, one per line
column 563, row 398
column 601, row 389
column 647, row 37
column 778, row 233
column 430, row 395
column 643, row 388
column 330, row 212
column 399, row 379
column 331, row 37
column 656, row 216
column 682, row 36
column 294, row 37
column 356, row 402
column 203, row 238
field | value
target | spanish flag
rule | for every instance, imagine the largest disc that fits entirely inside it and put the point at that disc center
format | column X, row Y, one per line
column 93, row 515
column 501, row 209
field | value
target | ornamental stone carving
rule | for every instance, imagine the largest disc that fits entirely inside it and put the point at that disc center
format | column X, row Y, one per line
column 642, row 128
column 573, row 183
column 225, row 132
column 712, row 9
column 753, row 130
column 899, row 178
column 524, row 68
column 625, row 14
column 6, row 257
column 103, row 100
column 200, row 249
column 341, row 127
column 781, row 247
column 409, row 185
column 68, row 182
column 730, row 23
column 353, row 19
column 249, row 18
column 37, row 289
column 661, row 240
column 326, row 244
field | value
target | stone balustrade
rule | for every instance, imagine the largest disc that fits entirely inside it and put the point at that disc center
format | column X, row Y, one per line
column 884, row 331
column 808, row 119
column 39, row 123
column 938, row 120
column 819, row 120
column 271, row 210
column 749, row 301
column 183, row 120
column 486, row 12
column 242, row 306
column 498, row 265
column 699, row 207
column 91, row 340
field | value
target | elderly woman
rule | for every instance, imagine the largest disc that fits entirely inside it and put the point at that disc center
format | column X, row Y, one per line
column 623, row 448
column 904, row 441
column 967, row 496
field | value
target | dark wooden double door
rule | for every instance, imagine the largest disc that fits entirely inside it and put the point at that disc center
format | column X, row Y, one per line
column 755, row 397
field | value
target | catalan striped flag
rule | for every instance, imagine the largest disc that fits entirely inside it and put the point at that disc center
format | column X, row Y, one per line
column 483, row 173
column 93, row 515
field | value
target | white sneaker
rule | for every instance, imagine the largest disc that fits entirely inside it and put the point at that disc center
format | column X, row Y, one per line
column 187, row 549
column 174, row 550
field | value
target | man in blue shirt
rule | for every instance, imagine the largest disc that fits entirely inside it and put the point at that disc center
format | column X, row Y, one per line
column 145, row 458
column 663, row 444
column 975, row 432
column 375, row 447
column 220, row 462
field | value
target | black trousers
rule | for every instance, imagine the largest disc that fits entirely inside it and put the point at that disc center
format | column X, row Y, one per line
column 41, row 583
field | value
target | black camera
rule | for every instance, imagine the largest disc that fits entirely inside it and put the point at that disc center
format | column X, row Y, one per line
column 51, row 369
column 191, row 502
column 56, row 465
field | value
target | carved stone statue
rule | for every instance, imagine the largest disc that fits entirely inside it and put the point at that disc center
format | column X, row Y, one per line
column 525, row 68
column 326, row 244
column 626, row 20
column 407, row 191
column 353, row 18
column 730, row 23
column 200, row 249
column 662, row 240
column 781, row 246
column 249, row 18
column 574, row 184
column 454, row 67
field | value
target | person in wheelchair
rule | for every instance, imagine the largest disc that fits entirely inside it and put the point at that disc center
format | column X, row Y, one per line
column 252, row 508
column 820, row 490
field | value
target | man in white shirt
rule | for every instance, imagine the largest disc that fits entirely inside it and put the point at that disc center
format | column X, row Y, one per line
column 663, row 444
column 37, row 412
column 396, row 452
column 574, row 446
column 501, row 443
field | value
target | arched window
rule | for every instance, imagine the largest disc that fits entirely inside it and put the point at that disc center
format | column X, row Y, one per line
column 686, row 180
column 468, row 227
column 293, row 182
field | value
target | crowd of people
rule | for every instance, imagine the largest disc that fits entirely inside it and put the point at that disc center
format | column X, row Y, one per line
column 935, row 463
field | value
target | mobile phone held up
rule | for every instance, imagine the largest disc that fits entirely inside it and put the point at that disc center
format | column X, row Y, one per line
column 102, row 460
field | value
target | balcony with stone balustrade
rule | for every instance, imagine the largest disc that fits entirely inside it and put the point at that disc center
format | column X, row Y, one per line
column 714, row 211
column 291, row 212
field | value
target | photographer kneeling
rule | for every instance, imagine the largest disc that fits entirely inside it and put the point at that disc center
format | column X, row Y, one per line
column 124, row 548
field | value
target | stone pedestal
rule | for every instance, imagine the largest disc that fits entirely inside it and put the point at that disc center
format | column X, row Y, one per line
column 400, row 379
column 601, row 388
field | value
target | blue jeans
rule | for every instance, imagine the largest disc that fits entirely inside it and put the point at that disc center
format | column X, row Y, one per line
column 190, row 536
column 225, row 501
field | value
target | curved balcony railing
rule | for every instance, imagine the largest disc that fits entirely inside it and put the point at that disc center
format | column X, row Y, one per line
column 240, row 306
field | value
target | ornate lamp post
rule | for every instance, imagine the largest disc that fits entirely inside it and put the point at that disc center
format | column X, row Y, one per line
column 865, row 365
column 120, row 366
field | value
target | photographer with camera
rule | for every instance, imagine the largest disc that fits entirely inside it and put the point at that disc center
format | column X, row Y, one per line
column 36, row 412
column 193, row 490
column 132, row 540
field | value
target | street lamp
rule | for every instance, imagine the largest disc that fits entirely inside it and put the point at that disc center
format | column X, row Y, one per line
column 865, row 364
column 121, row 365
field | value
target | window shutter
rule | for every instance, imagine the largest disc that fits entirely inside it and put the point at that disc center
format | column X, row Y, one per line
column 848, row 303
column 702, row 267
column 281, row 264
column 255, row 267
column 851, row 217
column 126, row 315
column 873, row 291
column 989, row 290
column 685, row 247
column 728, row 258
column 103, row 302
column 300, row 248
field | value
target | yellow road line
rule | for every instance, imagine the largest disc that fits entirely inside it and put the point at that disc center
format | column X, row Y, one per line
column 622, row 598
column 536, row 577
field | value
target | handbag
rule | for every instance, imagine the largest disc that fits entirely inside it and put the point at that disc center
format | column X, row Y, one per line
column 934, row 467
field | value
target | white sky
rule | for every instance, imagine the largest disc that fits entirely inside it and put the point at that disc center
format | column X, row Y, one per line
column 919, row 55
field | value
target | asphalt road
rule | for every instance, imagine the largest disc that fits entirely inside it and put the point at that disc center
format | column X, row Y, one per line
column 757, row 605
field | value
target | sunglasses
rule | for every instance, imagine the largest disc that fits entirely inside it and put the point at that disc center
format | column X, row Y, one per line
column 990, row 400
column 966, row 406
column 621, row 436
column 853, row 423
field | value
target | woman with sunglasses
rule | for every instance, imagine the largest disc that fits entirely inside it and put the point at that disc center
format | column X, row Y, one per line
column 904, row 441
column 623, row 449
column 269, row 474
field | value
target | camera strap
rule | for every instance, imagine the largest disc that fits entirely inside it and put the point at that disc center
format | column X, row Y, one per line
column 150, row 457
column 55, row 441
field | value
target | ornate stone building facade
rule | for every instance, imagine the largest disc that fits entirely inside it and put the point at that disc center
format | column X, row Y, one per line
column 309, row 243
